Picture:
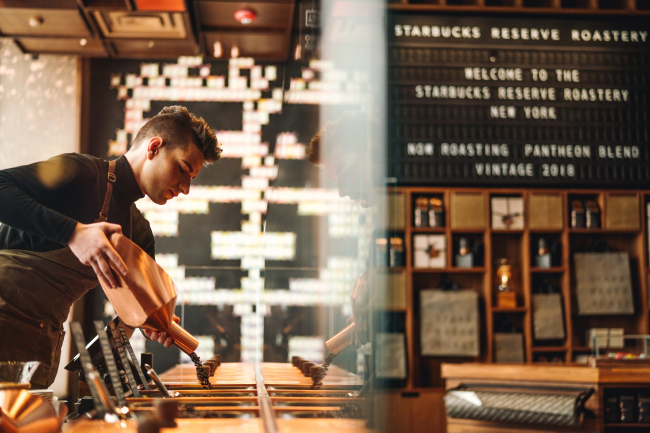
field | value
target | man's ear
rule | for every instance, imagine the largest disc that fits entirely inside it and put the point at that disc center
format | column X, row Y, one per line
column 154, row 146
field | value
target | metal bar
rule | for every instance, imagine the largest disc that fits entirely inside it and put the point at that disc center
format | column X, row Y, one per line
column 267, row 413
column 163, row 389
column 109, row 358
column 129, row 349
column 125, row 362
column 78, row 335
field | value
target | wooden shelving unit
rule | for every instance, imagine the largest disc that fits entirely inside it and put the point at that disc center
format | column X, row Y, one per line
column 517, row 246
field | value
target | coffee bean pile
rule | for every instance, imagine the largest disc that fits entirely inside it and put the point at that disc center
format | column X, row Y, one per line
column 201, row 374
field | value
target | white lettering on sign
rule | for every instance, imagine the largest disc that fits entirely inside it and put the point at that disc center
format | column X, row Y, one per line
column 419, row 149
column 458, row 32
column 592, row 95
column 568, row 75
column 452, row 92
column 558, row 170
column 539, row 74
column 504, row 169
column 503, row 111
column 557, row 151
column 526, row 34
column 608, row 36
column 526, row 93
column 474, row 149
column 494, row 74
column 540, row 113
column 619, row 152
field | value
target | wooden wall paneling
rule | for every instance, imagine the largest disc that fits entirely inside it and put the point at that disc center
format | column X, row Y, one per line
column 415, row 411
column 601, row 204
column 489, row 295
column 645, row 245
column 566, row 281
column 527, row 286
column 412, row 351
column 642, row 267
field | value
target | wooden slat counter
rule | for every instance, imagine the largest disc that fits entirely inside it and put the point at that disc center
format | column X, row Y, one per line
column 602, row 380
column 272, row 398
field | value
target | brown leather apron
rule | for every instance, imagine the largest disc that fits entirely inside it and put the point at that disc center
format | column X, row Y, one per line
column 36, row 293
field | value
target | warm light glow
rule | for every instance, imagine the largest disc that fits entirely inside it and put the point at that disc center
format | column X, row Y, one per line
column 217, row 49
column 234, row 52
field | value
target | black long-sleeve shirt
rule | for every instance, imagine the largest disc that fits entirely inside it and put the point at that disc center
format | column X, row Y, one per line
column 41, row 203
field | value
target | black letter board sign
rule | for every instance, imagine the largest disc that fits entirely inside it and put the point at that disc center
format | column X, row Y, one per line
column 531, row 102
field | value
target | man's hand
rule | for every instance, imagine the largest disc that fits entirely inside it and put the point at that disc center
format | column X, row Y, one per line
column 161, row 337
column 90, row 244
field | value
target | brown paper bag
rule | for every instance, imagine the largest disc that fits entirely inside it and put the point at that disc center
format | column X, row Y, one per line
column 548, row 321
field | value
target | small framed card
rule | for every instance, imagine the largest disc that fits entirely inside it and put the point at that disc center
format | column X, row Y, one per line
column 507, row 213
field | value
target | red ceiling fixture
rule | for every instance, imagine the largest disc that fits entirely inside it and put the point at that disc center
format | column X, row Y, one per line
column 245, row 16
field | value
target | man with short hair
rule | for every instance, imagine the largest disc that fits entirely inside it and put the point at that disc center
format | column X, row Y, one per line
column 57, row 216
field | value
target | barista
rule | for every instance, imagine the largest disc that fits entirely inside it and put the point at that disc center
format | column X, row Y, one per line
column 57, row 216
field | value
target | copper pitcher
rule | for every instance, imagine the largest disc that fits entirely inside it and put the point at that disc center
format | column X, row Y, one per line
column 146, row 298
column 24, row 412
column 342, row 340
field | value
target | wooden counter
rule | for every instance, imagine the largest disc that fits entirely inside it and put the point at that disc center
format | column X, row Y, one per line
column 269, row 398
column 564, row 373
column 604, row 382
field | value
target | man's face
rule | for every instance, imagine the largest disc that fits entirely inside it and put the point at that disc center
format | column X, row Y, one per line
column 168, row 172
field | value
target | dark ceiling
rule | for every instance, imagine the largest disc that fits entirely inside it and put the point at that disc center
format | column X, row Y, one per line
column 155, row 28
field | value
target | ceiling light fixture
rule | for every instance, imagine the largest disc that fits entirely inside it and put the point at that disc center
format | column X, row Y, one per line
column 245, row 16
column 36, row 22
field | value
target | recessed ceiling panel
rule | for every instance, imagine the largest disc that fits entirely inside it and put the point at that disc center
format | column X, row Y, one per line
column 261, row 46
column 91, row 48
column 149, row 25
column 152, row 49
column 42, row 22
column 219, row 15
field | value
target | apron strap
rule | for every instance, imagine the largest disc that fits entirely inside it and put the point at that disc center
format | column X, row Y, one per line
column 103, row 214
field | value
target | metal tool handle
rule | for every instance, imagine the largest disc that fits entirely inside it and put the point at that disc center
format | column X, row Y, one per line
column 157, row 381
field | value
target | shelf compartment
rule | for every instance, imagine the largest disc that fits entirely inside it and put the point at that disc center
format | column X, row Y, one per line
column 549, row 349
column 546, row 231
column 510, row 310
column 552, row 270
column 448, row 270
column 605, row 231
column 428, row 230
column 468, row 231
